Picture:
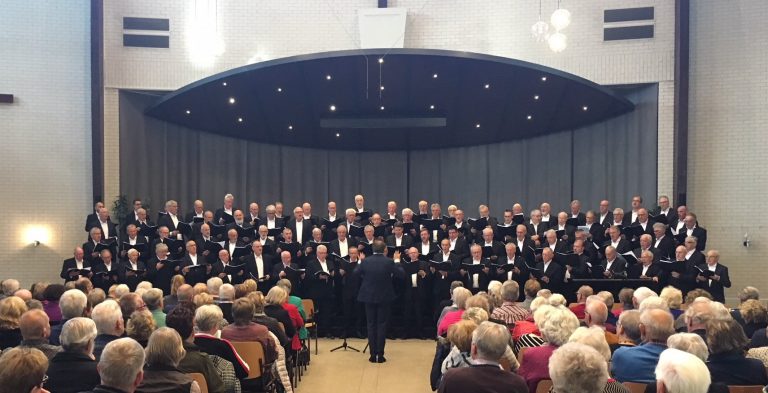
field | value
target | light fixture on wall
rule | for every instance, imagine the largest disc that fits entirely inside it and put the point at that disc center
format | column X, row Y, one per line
column 540, row 29
column 557, row 42
column 36, row 235
column 561, row 18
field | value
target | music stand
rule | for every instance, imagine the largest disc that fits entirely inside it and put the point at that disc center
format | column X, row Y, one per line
column 346, row 346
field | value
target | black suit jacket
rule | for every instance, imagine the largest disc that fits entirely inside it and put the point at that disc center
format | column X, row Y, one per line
column 165, row 221
column 716, row 288
column 607, row 220
column 218, row 269
column 461, row 249
column 618, row 267
column 252, row 268
column 219, row 214
column 483, row 278
column 306, row 229
column 334, row 247
column 666, row 247
column 376, row 274
column 701, row 237
column 497, row 250
column 406, row 242
column 104, row 281
column 97, row 224
column 89, row 220
column 71, row 264
column 526, row 250
column 199, row 275
column 560, row 247
column 139, row 240
column 636, row 270
column 316, row 287
column 622, row 247
column 132, row 279
column 539, row 230
column 555, row 273
column 88, row 248
column 581, row 218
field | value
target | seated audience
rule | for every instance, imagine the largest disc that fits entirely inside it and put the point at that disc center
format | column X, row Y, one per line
column 109, row 324
column 181, row 319
column 274, row 301
column 244, row 329
column 35, row 331
column 595, row 315
column 208, row 319
column 460, row 337
column 295, row 301
column 161, row 373
column 681, row 372
column 489, row 342
column 674, row 299
column 51, row 296
column 578, row 368
column 121, row 367
column 73, row 303
column 226, row 297
column 11, row 309
column 690, row 297
column 580, row 306
column 625, row 301
column 460, row 296
column 140, row 326
column 452, row 306
column 746, row 293
column 172, row 299
column 754, row 316
column 691, row 343
column 74, row 368
column 636, row 364
column 531, row 288
column 556, row 325
column 153, row 298
column 510, row 311
column 257, row 298
column 627, row 330
column 23, row 370
column 727, row 362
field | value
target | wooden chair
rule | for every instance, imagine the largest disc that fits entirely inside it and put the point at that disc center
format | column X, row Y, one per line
column 745, row 388
column 253, row 353
column 200, row 379
column 544, row 386
column 635, row 387
column 310, row 323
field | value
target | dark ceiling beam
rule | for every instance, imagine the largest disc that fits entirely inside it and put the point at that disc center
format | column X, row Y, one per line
column 97, row 99
column 682, row 69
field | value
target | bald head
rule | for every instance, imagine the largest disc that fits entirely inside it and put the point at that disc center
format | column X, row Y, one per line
column 34, row 325
column 656, row 325
column 185, row 293
column 24, row 294
column 596, row 313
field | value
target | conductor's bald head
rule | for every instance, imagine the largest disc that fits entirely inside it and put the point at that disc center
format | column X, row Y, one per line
column 378, row 247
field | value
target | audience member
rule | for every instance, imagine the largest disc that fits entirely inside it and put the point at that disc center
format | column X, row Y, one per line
column 73, row 303
column 578, row 368
column 208, row 319
column 244, row 329
column 51, row 296
column 109, row 324
column 274, row 301
column 460, row 296
column 579, row 308
column 625, row 301
column 674, row 299
column 754, row 316
column 691, row 343
column 23, row 370
column 153, row 299
column 140, row 326
column 727, row 362
column 556, row 325
column 681, row 372
column 35, row 331
column 11, row 309
column 161, row 374
column 489, row 342
column 510, row 311
column 596, row 314
column 531, row 288
column 172, row 299
column 121, row 367
column 226, row 297
column 257, row 298
column 628, row 330
column 636, row 364
column 74, row 368
column 460, row 337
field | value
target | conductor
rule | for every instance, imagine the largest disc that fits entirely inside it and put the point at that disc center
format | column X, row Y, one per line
column 375, row 275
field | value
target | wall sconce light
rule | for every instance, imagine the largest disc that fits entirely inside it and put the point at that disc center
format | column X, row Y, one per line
column 36, row 235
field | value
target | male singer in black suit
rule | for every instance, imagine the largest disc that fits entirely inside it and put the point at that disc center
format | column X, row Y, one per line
column 198, row 211
column 646, row 269
column 416, row 287
column 259, row 265
column 194, row 266
column 93, row 217
column 301, row 228
column 106, row 272
column 342, row 243
column 320, row 279
column 133, row 270
column 577, row 214
column 398, row 239
column 552, row 274
column 716, row 283
column 441, row 279
column 226, row 213
column 458, row 245
column 614, row 265
column 496, row 247
column 519, row 271
column 662, row 242
column 605, row 215
column 616, row 241
column 170, row 218
column 76, row 262
column 377, row 292
column 132, row 216
column 103, row 222
column 479, row 281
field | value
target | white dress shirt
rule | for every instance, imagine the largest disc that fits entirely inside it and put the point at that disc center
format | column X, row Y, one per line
column 300, row 231
column 343, row 248
column 476, row 276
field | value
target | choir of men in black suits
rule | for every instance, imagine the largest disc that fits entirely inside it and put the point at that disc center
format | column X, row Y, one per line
column 319, row 255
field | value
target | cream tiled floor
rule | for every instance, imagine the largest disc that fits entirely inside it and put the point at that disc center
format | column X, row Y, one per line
column 406, row 370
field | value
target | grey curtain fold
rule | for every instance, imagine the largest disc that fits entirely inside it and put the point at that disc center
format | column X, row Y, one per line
column 614, row 159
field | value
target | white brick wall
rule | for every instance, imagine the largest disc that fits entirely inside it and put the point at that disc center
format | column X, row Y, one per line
column 46, row 153
column 728, row 151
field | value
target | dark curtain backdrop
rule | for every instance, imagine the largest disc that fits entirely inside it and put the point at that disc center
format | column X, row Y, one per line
column 614, row 159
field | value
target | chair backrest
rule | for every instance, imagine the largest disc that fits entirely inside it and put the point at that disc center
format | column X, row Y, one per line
column 309, row 308
column 253, row 354
column 635, row 387
column 745, row 388
column 544, row 386
column 200, row 379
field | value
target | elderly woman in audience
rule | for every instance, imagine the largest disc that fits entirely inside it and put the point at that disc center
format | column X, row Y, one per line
column 51, row 296
column 296, row 301
column 556, row 325
column 74, row 369
column 140, row 326
column 244, row 329
column 38, row 290
column 460, row 337
column 257, row 298
column 208, row 319
column 510, row 311
column 681, row 372
column 610, row 322
column 460, row 296
column 627, row 330
column 153, row 299
column 277, row 307
column 691, row 343
column 594, row 337
column 526, row 333
column 578, row 368
column 171, row 299
column 181, row 319
column 690, row 297
column 35, row 331
column 494, row 293
column 754, row 316
column 202, row 299
column 161, row 371
column 727, row 362
column 530, row 289
column 73, row 303
column 214, row 284
column 746, row 293
column 22, row 370
column 452, row 306
column 95, row 297
column 654, row 302
column 625, row 300
column 11, row 309
column 674, row 299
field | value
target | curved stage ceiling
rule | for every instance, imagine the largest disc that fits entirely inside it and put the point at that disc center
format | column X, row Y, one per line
column 431, row 99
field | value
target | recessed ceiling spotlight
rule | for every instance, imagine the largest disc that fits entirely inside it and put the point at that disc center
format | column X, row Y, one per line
column 338, row 135
column 279, row 89
column 434, row 76
column 487, row 86
column 543, row 78
column 381, row 108
column 536, row 97
column 328, row 77
column 239, row 119
column 585, row 108
column 231, row 100
column 381, row 60
column 188, row 111
column 529, row 117
column 332, row 108
column 477, row 125
column 290, row 127
column 223, row 83
column 381, row 87
column 431, row 107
